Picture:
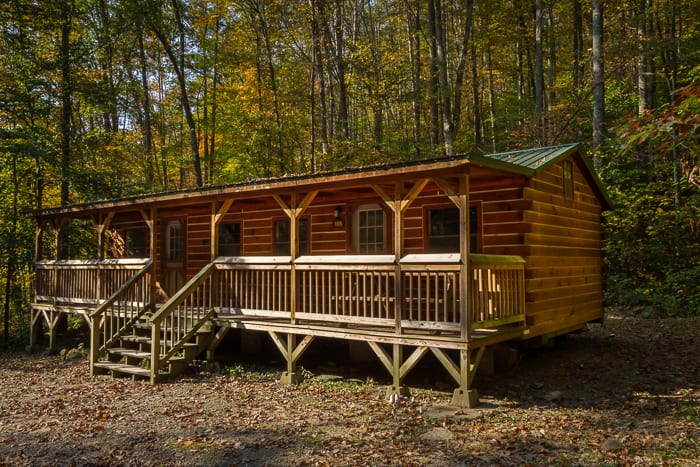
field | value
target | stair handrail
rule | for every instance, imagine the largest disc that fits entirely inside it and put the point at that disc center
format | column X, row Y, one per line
column 168, row 309
column 99, row 312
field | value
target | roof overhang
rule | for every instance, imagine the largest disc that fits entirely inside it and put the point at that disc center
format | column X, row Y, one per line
column 518, row 163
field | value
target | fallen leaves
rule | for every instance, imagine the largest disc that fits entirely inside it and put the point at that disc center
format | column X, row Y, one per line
column 591, row 400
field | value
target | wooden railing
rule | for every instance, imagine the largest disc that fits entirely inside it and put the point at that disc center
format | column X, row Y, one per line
column 352, row 289
column 117, row 315
column 431, row 292
column 497, row 291
column 87, row 282
column 341, row 289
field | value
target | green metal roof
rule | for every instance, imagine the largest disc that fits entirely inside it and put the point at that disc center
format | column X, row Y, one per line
column 536, row 159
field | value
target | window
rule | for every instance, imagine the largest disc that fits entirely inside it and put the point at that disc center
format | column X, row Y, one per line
column 283, row 237
column 568, row 180
column 135, row 243
column 443, row 230
column 175, row 241
column 370, row 230
column 230, row 239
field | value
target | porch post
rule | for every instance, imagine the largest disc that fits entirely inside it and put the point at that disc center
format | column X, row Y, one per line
column 150, row 217
column 58, row 234
column 294, row 211
column 217, row 216
column 101, row 226
column 35, row 321
column 398, row 204
column 38, row 236
column 464, row 253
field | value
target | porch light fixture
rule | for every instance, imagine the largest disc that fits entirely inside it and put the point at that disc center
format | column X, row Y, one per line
column 338, row 221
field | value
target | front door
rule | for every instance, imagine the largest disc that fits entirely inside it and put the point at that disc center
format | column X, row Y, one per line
column 173, row 254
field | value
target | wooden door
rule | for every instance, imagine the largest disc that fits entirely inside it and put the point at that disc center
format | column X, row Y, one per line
column 173, row 241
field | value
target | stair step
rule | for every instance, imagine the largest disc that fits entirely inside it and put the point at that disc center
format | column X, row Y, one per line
column 121, row 368
column 137, row 339
column 129, row 353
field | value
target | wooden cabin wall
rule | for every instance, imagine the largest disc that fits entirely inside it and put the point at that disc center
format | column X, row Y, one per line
column 564, row 287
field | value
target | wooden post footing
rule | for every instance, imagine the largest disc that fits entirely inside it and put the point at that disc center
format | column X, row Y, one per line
column 393, row 391
column 467, row 398
column 291, row 379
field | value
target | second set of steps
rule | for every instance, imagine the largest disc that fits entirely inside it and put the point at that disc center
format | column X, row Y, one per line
column 132, row 356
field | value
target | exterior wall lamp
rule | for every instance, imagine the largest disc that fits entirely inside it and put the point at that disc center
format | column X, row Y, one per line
column 338, row 221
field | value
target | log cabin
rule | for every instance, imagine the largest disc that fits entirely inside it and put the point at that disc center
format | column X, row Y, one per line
column 449, row 256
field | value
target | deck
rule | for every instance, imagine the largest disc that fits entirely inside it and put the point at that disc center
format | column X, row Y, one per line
column 421, row 303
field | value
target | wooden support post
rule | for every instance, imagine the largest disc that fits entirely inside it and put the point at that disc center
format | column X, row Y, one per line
column 460, row 199
column 150, row 217
column 38, row 236
column 396, row 367
column 93, row 356
column 53, row 319
column 464, row 395
column 294, row 210
column 218, row 337
column 36, row 326
column 155, row 351
column 291, row 351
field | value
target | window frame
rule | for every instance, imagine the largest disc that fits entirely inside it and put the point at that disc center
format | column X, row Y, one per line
column 357, row 244
column 475, row 228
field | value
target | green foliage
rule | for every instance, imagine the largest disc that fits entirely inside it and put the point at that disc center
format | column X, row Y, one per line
column 652, row 243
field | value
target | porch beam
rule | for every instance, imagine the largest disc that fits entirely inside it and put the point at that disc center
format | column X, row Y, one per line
column 399, row 202
column 101, row 225
column 382, row 355
column 57, row 231
column 217, row 215
column 449, row 191
column 412, row 360
column 38, row 236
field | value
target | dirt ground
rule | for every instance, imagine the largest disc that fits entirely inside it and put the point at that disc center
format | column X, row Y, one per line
column 623, row 393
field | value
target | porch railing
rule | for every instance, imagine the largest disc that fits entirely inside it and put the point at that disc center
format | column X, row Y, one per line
column 353, row 290
column 86, row 282
column 116, row 316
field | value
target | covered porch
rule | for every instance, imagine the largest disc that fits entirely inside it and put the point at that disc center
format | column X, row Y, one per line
column 421, row 303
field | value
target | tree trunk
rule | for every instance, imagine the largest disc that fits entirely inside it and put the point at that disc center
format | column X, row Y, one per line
column 413, row 27
column 434, row 82
column 539, row 69
column 151, row 164
column 66, row 99
column 577, row 68
column 339, row 35
column 598, row 80
column 178, row 67
column 478, row 130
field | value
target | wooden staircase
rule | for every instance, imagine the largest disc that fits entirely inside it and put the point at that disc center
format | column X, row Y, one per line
column 132, row 354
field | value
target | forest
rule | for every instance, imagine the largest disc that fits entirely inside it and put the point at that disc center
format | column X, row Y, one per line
column 107, row 98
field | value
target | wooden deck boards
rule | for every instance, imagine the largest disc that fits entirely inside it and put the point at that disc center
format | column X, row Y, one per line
column 413, row 337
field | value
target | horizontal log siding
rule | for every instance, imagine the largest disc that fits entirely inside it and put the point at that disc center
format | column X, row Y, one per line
column 198, row 249
column 564, row 265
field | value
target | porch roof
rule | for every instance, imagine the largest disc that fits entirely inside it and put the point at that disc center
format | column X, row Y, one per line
column 523, row 163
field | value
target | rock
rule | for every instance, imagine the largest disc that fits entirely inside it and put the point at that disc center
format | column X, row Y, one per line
column 553, row 395
column 610, row 445
column 440, row 411
column 437, row 435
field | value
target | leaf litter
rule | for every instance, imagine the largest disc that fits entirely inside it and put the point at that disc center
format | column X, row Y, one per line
column 623, row 393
